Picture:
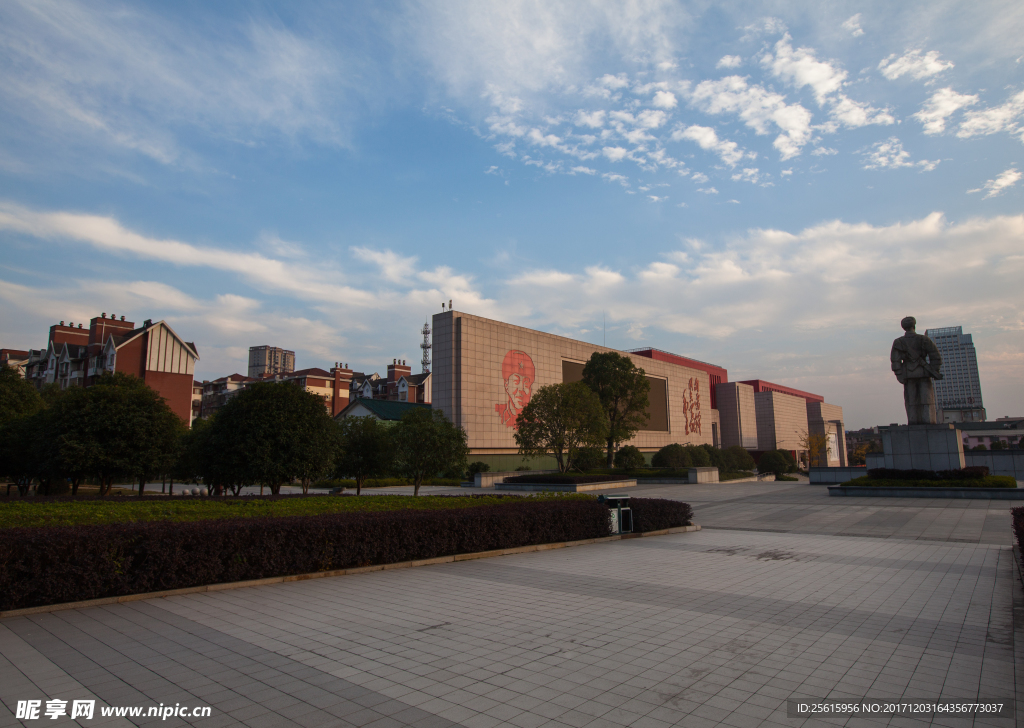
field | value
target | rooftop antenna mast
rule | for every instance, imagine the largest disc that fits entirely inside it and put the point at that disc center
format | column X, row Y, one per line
column 425, row 346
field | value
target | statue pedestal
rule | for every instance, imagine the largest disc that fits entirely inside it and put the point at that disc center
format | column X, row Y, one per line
column 923, row 447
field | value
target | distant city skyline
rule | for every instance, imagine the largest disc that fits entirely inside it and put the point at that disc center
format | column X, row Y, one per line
column 767, row 188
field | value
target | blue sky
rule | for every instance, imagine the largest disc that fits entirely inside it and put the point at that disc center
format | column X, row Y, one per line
column 767, row 187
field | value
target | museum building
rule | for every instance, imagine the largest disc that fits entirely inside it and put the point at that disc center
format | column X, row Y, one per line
column 485, row 372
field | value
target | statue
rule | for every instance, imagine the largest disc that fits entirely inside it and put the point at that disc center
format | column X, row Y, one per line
column 916, row 362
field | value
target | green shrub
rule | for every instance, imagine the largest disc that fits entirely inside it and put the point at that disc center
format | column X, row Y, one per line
column 590, row 458
column 477, row 467
column 739, row 458
column 773, row 462
column 672, row 456
column 699, row 457
column 629, row 458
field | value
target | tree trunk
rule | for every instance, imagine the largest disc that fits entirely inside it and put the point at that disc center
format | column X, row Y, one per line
column 359, row 486
column 74, row 486
column 142, row 485
column 611, row 452
column 416, row 486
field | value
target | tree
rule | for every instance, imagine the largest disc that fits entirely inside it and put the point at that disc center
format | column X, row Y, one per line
column 127, row 431
column 699, row 457
column 561, row 419
column 773, row 462
column 672, row 456
column 739, row 458
column 622, row 388
column 428, row 444
column 271, row 434
column 63, row 449
column 366, row 449
column 18, row 398
column 818, row 448
column 630, row 458
column 589, row 458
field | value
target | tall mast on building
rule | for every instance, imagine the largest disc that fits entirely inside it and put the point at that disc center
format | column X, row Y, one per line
column 425, row 346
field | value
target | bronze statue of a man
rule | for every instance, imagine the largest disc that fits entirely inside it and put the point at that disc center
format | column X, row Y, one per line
column 916, row 362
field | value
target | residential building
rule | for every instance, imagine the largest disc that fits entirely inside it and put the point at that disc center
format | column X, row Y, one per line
column 958, row 393
column 381, row 409
column 14, row 358
column 218, row 392
column 269, row 360
column 1002, row 434
column 197, row 399
column 75, row 356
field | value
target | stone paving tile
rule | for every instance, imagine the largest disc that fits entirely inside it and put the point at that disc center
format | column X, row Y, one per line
column 717, row 627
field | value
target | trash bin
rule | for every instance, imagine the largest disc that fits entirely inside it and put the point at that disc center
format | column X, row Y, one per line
column 621, row 515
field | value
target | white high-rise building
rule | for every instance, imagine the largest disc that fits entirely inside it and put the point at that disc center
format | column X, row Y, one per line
column 958, row 393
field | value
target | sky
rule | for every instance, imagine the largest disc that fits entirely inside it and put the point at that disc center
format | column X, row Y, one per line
column 769, row 187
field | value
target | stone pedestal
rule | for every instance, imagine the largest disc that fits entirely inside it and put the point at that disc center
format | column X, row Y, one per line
column 923, row 447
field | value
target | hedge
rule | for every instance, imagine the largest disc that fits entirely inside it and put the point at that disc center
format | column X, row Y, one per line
column 655, row 514
column 972, row 472
column 50, row 565
column 565, row 478
column 988, row 481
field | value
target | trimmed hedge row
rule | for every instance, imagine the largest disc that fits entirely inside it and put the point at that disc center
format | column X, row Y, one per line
column 971, row 472
column 565, row 478
column 50, row 565
column 655, row 514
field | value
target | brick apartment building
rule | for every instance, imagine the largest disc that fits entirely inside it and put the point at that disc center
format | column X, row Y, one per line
column 75, row 357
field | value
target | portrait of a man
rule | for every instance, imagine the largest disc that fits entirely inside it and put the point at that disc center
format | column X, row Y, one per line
column 518, row 373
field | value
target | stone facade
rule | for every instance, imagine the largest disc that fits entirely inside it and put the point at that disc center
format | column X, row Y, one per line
column 484, row 370
column 923, row 447
column 781, row 421
column 738, row 414
column 827, row 419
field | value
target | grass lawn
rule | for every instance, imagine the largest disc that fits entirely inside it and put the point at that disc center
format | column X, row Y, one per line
column 42, row 512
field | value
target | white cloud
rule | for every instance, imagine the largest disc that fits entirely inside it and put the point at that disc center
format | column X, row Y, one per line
column 142, row 82
column 614, row 82
column 890, row 154
column 824, row 151
column 655, row 198
column 786, row 172
column 393, row 267
column 700, row 178
column 708, row 190
column 994, row 119
column 593, row 119
column 852, row 24
column 913, row 63
column 749, row 174
column 665, row 100
column 801, row 68
column 615, row 154
column 942, row 104
column 582, row 170
column 1000, row 184
column 621, row 179
column 729, row 62
column 706, row 138
column 758, row 108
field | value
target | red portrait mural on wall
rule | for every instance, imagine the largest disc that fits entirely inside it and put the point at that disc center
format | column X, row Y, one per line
column 518, row 374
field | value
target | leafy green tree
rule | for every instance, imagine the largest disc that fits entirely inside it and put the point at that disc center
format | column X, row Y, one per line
column 127, row 431
column 366, row 449
column 428, row 444
column 561, row 419
column 19, row 461
column 672, row 456
column 630, row 458
column 623, row 390
column 739, row 458
column 63, row 450
column 477, row 467
column 699, row 457
column 18, row 398
column 773, row 462
column 271, row 434
column 589, row 458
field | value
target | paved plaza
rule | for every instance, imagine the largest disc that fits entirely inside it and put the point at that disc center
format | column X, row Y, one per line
column 785, row 593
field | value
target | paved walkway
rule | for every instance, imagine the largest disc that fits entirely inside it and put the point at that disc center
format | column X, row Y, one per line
column 717, row 627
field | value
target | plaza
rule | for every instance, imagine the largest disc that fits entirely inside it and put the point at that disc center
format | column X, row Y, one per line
column 784, row 593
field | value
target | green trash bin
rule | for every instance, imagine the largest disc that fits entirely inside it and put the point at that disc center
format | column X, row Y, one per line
column 620, row 513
